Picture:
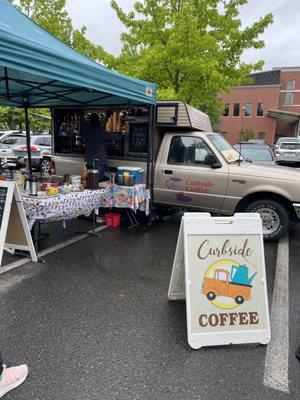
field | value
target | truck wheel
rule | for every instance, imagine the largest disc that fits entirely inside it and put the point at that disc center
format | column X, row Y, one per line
column 45, row 164
column 239, row 300
column 275, row 218
column 211, row 296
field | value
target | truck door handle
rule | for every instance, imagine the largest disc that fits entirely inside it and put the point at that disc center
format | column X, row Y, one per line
column 168, row 172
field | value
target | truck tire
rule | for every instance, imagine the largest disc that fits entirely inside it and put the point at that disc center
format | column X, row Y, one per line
column 275, row 218
column 45, row 165
column 239, row 300
column 211, row 296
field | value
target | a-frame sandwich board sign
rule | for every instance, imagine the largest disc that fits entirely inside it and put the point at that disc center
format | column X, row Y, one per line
column 225, row 279
column 14, row 229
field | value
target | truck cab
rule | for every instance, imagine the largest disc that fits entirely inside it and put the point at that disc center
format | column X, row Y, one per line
column 202, row 171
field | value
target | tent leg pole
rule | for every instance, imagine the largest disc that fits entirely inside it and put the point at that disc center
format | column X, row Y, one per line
column 150, row 174
column 149, row 151
column 28, row 141
column 154, row 139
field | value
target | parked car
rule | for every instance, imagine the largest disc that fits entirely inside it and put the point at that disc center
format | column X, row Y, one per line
column 5, row 134
column 41, row 150
column 286, row 139
column 257, row 141
column 288, row 152
column 257, row 153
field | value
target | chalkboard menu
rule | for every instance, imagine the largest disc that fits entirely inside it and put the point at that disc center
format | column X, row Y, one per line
column 3, row 193
column 138, row 138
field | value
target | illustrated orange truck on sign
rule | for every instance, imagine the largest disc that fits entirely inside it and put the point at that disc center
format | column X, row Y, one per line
column 236, row 284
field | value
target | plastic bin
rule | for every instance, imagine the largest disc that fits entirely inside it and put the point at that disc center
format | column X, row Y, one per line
column 112, row 219
column 135, row 171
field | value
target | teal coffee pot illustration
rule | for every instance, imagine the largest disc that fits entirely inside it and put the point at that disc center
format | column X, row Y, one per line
column 240, row 275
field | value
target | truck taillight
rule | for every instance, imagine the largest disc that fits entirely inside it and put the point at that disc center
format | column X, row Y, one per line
column 33, row 149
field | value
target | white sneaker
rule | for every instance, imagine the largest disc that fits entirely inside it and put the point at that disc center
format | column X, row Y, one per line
column 12, row 378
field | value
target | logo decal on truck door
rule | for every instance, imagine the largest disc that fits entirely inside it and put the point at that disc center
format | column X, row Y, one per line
column 195, row 186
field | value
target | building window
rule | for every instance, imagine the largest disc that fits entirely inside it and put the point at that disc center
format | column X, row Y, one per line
column 291, row 85
column 248, row 110
column 226, row 110
column 260, row 109
column 289, row 96
column 236, row 109
column 262, row 135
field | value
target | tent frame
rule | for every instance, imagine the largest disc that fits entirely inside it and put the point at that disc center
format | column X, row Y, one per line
column 63, row 93
column 151, row 134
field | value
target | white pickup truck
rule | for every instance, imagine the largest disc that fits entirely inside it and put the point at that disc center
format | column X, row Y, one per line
column 192, row 167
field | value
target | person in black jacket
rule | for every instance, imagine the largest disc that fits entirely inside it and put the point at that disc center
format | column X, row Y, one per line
column 94, row 140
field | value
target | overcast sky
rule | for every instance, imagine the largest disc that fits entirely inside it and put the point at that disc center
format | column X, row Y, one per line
column 282, row 39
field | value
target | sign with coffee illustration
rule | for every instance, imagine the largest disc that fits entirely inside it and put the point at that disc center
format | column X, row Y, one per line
column 225, row 281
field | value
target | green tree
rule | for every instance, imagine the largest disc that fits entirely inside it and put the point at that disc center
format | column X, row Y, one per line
column 13, row 118
column 247, row 134
column 53, row 17
column 191, row 48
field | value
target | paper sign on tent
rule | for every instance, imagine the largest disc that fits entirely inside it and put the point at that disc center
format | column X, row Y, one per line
column 219, row 268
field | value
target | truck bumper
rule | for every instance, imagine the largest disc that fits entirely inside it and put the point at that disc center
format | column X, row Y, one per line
column 297, row 209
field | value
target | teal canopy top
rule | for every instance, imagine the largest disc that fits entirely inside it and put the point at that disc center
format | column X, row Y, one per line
column 38, row 70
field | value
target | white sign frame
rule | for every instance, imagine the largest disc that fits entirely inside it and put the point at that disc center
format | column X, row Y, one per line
column 177, row 282
column 240, row 224
column 13, row 199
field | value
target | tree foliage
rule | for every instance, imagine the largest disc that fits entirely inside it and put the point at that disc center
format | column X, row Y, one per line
column 53, row 17
column 247, row 134
column 191, row 48
column 13, row 118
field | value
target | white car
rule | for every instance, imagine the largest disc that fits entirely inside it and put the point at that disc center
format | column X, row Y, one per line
column 288, row 151
column 14, row 146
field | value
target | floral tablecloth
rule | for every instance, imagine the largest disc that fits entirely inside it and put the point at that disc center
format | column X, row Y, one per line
column 72, row 205
column 135, row 197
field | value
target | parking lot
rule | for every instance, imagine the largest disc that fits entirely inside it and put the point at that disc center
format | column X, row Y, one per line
column 94, row 322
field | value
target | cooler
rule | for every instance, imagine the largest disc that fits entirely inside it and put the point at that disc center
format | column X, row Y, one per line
column 137, row 172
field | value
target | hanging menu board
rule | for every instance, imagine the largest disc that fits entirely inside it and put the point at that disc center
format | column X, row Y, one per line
column 14, row 229
column 225, row 280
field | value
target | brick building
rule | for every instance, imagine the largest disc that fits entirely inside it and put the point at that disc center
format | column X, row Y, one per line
column 270, row 106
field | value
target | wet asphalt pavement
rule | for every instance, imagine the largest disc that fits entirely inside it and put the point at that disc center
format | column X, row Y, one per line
column 94, row 322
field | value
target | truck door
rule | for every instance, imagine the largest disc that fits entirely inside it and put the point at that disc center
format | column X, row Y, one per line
column 183, row 176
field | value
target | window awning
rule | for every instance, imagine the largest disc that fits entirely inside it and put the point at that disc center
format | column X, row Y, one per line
column 286, row 116
column 39, row 68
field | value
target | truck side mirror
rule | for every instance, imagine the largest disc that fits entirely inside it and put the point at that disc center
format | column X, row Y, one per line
column 212, row 160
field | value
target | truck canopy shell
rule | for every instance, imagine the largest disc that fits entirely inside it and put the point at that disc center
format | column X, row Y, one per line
column 178, row 114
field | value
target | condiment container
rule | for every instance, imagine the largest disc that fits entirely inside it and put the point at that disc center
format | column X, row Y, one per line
column 75, row 179
column 93, row 176
column 112, row 177
column 131, row 180
column 33, row 186
column 120, row 180
column 125, row 178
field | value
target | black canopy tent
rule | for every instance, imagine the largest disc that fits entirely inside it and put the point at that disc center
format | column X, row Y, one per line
column 37, row 70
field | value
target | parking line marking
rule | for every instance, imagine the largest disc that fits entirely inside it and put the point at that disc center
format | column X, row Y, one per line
column 50, row 250
column 276, row 374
